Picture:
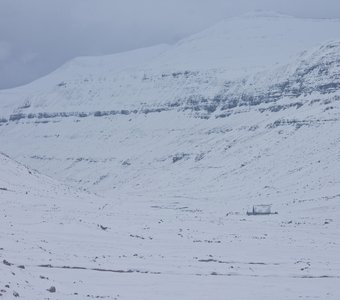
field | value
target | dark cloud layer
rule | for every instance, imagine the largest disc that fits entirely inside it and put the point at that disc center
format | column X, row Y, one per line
column 37, row 36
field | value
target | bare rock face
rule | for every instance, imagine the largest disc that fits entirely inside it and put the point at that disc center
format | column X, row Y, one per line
column 52, row 289
column 5, row 262
column 16, row 294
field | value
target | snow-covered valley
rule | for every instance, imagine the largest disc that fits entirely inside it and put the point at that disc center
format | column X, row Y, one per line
column 144, row 247
column 154, row 157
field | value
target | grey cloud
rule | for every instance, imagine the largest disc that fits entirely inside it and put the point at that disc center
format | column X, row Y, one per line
column 5, row 51
column 37, row 36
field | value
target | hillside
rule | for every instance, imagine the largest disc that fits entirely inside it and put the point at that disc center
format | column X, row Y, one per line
column 180, row 141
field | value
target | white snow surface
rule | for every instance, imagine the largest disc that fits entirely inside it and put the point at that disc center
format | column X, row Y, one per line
column 151, row 159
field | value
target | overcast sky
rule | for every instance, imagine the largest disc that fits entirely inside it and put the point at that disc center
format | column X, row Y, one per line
column 37, row 36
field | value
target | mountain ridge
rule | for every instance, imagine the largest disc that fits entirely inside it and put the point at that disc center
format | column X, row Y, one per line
column 292, row 80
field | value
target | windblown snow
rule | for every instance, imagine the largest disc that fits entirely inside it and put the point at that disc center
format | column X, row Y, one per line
column 151, row 159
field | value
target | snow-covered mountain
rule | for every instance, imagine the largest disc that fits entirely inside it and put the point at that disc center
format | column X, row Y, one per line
column 109, row 123
column 198, row 65
column 181, row 140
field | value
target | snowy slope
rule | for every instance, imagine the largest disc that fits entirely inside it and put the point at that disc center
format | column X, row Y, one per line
column 181, row 140
column 35, row 210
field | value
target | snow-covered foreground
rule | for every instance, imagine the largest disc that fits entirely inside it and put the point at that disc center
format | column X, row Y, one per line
column 88, row 246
